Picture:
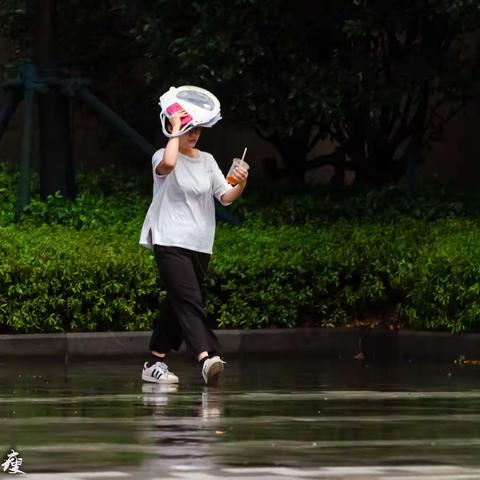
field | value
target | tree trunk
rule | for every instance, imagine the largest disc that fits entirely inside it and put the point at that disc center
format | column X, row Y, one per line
column 294, row 150
column 338, row 179
column 293, row 156
column 56, row 163
column 56, row 166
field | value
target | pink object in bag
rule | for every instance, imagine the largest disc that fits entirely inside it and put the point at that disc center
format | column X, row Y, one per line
column 175, row 107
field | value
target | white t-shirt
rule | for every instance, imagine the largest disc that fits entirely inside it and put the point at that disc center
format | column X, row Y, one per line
column 182, row 212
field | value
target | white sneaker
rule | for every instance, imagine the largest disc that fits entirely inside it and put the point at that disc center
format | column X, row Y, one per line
column 212, row 369
column 158, row 373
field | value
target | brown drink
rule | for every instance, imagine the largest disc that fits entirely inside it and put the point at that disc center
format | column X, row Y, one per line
column 237, row 162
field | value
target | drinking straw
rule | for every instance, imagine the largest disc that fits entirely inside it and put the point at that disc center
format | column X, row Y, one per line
column 244, row 152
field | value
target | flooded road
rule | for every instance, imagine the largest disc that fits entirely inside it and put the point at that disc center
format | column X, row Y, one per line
column 271, row 417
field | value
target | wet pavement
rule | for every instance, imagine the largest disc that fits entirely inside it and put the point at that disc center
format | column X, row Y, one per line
column 271, row 417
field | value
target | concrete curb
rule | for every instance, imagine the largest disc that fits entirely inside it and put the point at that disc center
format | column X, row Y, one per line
column 403, row 346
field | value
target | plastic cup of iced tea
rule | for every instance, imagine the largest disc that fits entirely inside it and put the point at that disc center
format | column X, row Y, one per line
column 237, row 162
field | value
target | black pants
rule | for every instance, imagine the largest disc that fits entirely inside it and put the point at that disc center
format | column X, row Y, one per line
column 183, row 273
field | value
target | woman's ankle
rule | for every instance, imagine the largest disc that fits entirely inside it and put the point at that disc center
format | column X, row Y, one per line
column 202, row 356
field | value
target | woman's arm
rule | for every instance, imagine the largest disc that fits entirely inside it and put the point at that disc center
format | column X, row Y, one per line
column 240, row 174
column 234, row 193
column 167, row 164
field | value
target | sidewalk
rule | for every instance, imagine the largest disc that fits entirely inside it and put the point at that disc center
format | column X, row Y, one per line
column 401, row 346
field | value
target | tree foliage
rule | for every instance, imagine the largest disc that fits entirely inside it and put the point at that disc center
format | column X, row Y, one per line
column 402, row 72
column 378, row 78
column 95, row 39
column 373, row 76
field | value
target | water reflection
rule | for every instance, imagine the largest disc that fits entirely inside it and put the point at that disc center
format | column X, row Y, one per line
column 157, row 394
column 212, row 405
column 268, row 416
column 185, row 427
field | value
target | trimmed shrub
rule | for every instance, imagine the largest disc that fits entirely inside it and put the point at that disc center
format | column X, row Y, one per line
column 322, row 205
column 442, row 285
column 306, row 258
column 59, row 278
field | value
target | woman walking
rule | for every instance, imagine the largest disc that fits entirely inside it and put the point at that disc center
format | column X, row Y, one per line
column 180, row 227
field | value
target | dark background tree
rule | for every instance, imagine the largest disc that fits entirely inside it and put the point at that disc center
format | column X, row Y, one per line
column 265, row 59
column 380, row 79
column 56, row 163
column 402, row 70
column 93, row 40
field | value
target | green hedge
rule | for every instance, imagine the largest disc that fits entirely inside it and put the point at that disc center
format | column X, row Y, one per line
column 113, row 196
column 425, row 274
column 312, row 256
column 55, row 278
column 324, row 205
column 105, row 198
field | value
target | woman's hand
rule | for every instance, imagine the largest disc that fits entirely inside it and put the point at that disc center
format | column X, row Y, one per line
column 176, row 120
column 240, row 174
column 167, row 164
